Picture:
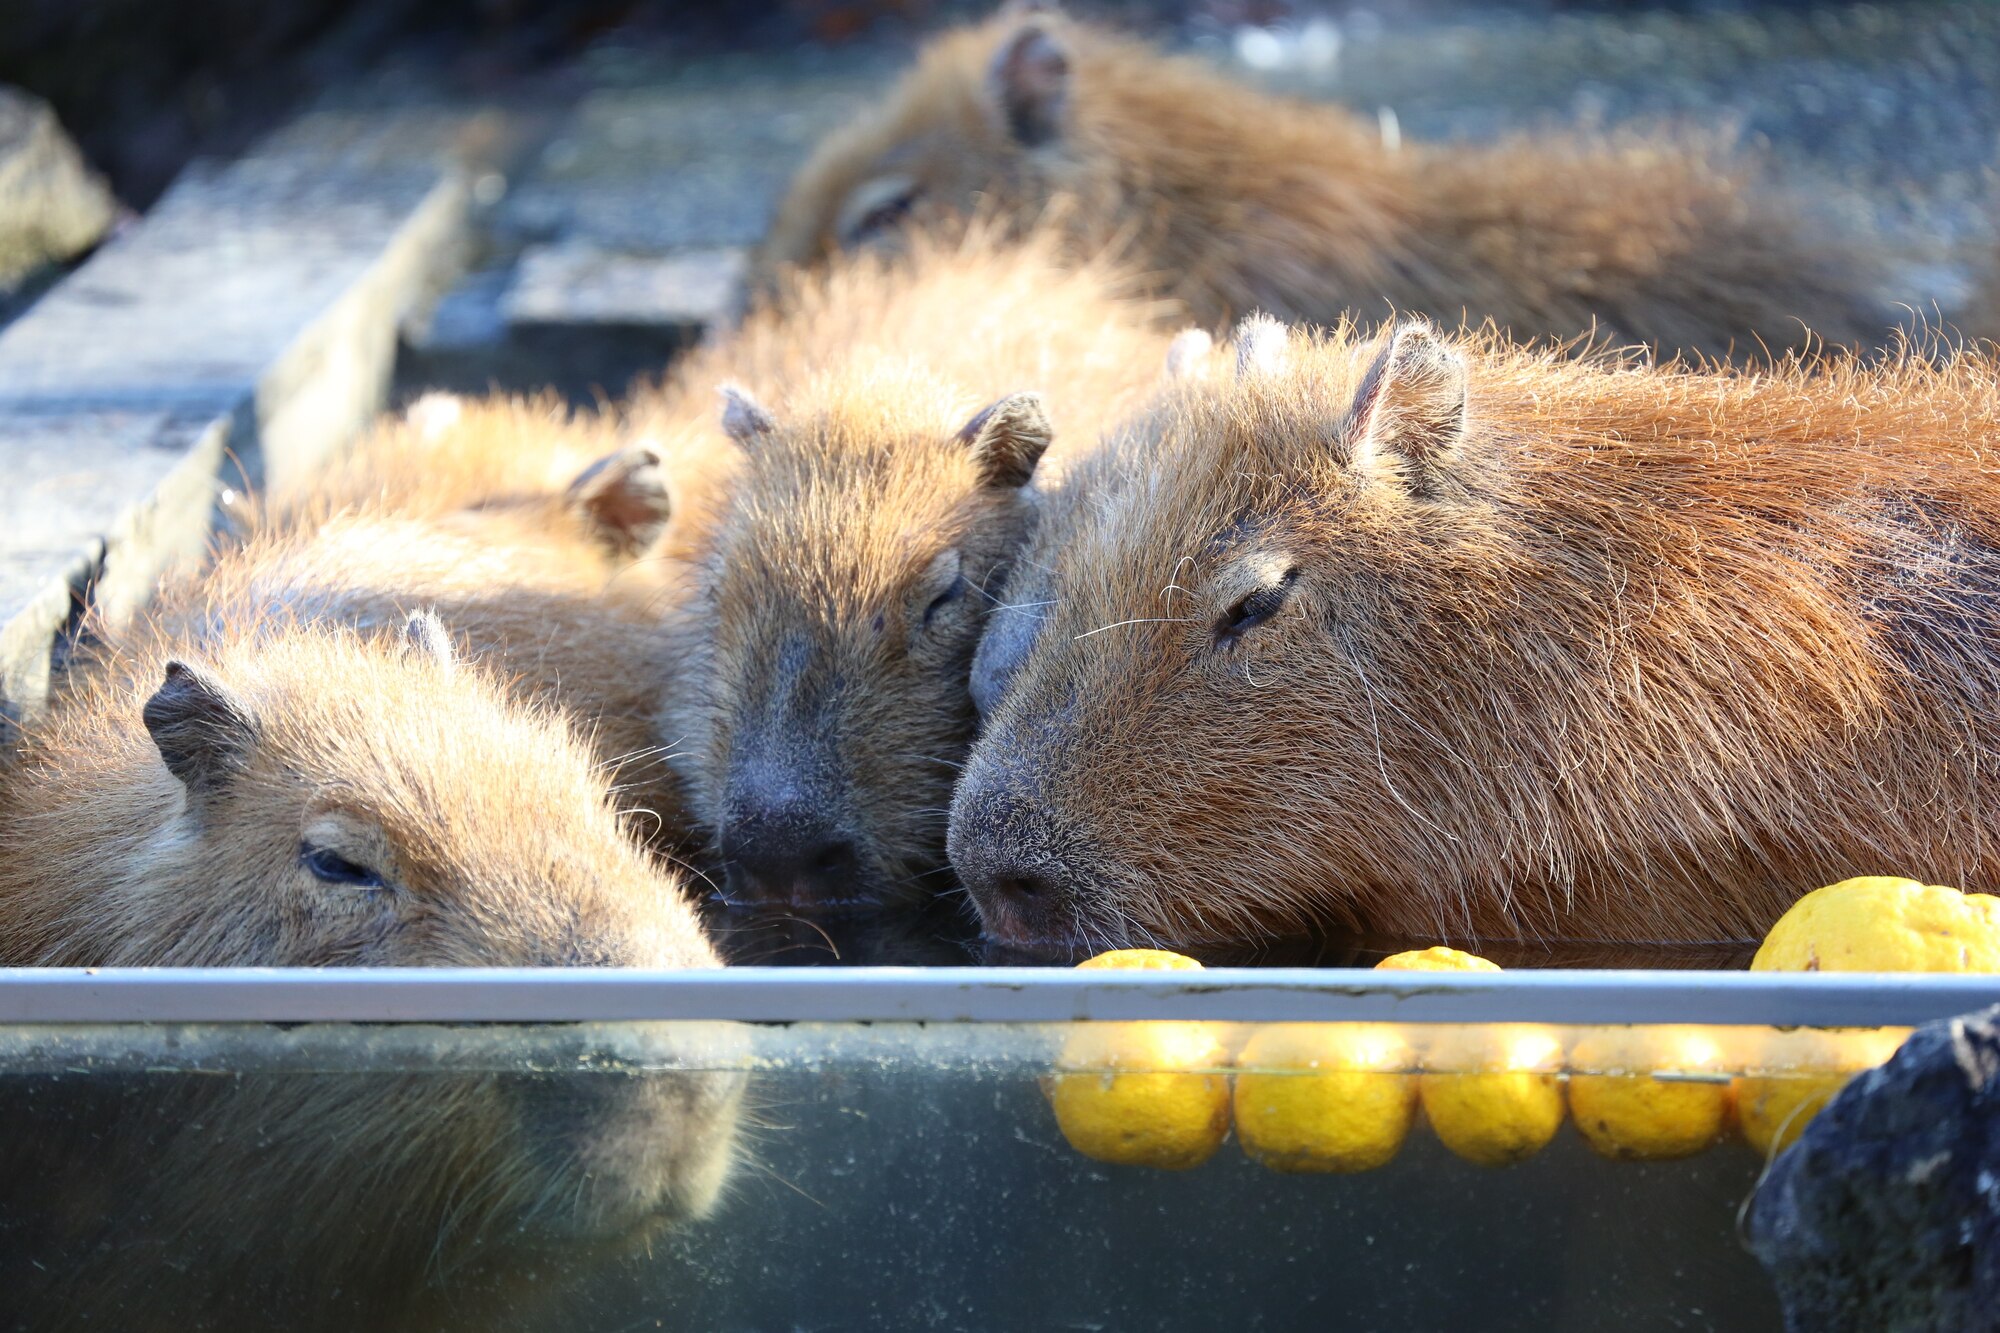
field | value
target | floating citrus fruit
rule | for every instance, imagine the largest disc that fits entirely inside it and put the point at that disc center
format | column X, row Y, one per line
column 1876, row 923
column 1648, row 1093
column 1143, row 1093
column 1325, row 1096
column 1883, row 924
column 1790, row 1075
column 1437, row 958
column 1490, row 1091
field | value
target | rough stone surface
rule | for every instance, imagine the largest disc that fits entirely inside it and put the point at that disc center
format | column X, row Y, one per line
column 239, row 334
column 687, row 155
column 583, row 284
column 52, row 206
column 1885, row 1215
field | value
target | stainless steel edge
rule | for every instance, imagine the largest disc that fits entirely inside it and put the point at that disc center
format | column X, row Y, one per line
column 977, row 995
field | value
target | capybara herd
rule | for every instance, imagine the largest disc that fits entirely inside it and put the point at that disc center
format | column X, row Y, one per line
column 1154, row 510
column 1138, row 508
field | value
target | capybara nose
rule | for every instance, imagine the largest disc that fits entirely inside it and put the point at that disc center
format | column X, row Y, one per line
column 1023, row 891
column 1007, row 855
column 789, row 856
column 1017, row 902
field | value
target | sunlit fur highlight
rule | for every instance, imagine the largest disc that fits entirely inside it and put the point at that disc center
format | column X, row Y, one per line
column 461, row 508
column 1661, row 651
column 870, row 371
column 1236, row 201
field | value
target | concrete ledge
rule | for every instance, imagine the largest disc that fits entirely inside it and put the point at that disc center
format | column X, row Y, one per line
column 234, row 338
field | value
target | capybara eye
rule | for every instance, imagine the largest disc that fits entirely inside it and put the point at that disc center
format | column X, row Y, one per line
column 944, row 599
column 1254, row 609
column 331, row 867
column 889, row 213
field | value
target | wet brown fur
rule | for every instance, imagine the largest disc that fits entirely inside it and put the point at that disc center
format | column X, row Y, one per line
column 844, row 516
column 1647, row 655
column 1237, row 201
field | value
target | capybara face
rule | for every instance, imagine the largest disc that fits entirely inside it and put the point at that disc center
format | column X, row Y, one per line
column 981, row 122
column 846, row 590
column 1442, row 638
column 313, row 797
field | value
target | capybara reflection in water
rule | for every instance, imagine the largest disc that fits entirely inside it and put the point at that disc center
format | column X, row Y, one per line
column 1434, row 636
column 847, row 576
column 1238, row 202
column 270, row 794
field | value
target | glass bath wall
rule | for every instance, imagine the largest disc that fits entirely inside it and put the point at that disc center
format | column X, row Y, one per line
column 902, row 1149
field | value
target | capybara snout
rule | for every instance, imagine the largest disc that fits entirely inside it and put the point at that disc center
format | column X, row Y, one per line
column 1018, row 862
column 787, row 837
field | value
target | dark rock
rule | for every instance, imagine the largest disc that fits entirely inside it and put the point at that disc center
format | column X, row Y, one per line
column 1885, row 1215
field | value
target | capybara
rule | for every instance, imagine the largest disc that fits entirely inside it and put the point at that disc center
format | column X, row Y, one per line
column 540, row 537
column 1434, row 636
column 889, row 414
column 271, row 794
column 1239, row 202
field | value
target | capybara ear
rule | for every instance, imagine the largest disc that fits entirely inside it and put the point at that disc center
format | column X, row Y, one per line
column 204, row 733
column 743, row 418
column 1410, row 410
column 1008, row 438
column 1261, row 346
column 1029, row 82
column 424, row 635
column 623, row 499
column 1187, row 354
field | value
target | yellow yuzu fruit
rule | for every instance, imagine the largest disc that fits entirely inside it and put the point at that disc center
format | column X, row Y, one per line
column 1880, row 923
column 1145, row 1093
column 1791, row 1074
column 1325, row 1096
column 1490, row 1091
column 1624, row 1110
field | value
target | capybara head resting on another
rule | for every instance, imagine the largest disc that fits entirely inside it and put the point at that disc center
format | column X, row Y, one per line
column 847, row 587
column 1435, row 636
column 541, row 535
column 311, row 796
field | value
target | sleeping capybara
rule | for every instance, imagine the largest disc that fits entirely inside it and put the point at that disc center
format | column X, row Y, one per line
column 540, row 537
column 269, row 794
column 889, row 416
column 1238, row 202
column 1435, row 636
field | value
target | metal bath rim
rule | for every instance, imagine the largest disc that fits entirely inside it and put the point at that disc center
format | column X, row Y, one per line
column 978, row 995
